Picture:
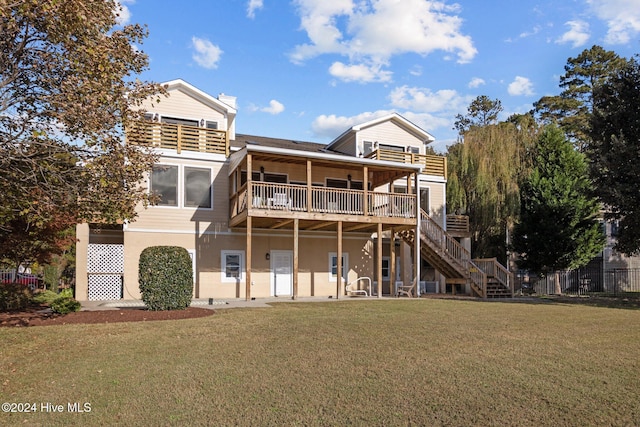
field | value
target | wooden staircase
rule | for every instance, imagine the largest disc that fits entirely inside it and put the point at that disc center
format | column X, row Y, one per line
column 487, row 277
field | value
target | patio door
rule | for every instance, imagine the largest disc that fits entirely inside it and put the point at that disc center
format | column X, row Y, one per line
column 282, row 276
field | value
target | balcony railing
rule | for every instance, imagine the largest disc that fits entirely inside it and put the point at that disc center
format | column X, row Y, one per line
column 291, row 197
column 432, row 165
column 457, row 224
column 179, row 137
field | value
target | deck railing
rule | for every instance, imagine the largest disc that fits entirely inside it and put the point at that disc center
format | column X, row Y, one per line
column 293, row 197
column 457, row 224
column 494, row 269
column 179, row 137
column 432, row 165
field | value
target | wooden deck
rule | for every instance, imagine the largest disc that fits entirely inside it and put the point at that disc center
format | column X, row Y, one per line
column 179, row 137
column 276, row 205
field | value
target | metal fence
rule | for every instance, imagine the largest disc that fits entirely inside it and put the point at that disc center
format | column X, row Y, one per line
column 587, row 281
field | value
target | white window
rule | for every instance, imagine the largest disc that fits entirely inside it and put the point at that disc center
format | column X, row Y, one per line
column 333, row 266
column 197, row 187
column 187, row 187
column 367, row 147
column 164, row 183
column 386, row 268
column 232, row 269
column 412, row 149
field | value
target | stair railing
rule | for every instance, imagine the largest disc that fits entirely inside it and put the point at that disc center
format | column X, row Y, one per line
column 452, row 251
column 494, row 269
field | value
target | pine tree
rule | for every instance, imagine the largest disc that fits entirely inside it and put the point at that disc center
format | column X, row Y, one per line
column 615, row 152
column 558, row 227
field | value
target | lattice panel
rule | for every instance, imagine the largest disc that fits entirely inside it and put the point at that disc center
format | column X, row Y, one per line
column 105, row 258
column 105, row 287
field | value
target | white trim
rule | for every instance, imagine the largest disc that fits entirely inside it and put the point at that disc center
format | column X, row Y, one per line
column 192, row 254
column 345, row 266
column 180, row 190
column 272, row 281
column 223, row 266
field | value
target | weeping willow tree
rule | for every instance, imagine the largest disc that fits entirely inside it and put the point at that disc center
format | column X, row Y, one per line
column 485, row 168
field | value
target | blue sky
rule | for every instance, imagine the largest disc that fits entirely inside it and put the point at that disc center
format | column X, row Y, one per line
column 310, row 69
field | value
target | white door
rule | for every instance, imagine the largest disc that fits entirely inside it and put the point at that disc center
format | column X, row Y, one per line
column 282, row 277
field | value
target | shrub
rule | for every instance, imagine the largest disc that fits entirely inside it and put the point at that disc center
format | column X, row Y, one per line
column 165, row 277
column 14, row 296
column 64, row 305
column 67, row 292
column 45, row 297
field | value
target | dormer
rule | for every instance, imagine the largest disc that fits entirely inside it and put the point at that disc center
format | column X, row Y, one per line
column 391, row 132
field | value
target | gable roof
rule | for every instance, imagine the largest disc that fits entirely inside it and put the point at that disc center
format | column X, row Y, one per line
column 205, row 98
column 409, row 126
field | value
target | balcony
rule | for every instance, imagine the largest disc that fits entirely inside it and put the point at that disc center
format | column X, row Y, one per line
column 458, row 225
column 179, row 137
column 268, row 200
column 432, row 165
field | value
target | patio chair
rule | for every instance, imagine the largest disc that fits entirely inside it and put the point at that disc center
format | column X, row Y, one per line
column 351, row 288
column 402, row 289
column 281, row 200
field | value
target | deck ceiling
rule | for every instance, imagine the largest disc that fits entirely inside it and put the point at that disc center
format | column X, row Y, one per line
column 320, row 225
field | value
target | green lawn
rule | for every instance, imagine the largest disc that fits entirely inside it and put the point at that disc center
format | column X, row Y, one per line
column 389, row 362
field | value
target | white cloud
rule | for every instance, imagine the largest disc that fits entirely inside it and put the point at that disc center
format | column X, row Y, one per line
column 359, row 73
column 274, row 107
column 252, row 6
column 577, row 35
column 476, row 82
column 622, row 18
column 332, row 125
column 416, row 70
column 123, row 14
column 520, row 86
column 372, row 32
column 423, row 100
column 206, row 53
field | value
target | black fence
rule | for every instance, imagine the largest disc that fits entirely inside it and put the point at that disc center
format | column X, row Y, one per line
column 591, row 280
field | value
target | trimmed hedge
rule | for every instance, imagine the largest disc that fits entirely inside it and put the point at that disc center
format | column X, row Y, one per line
column 165, row 275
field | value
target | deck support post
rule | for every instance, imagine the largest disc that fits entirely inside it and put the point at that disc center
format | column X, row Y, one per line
column 379, row 261
column 295, row 257
column 248, row 256
column 339, row 290
column 392, row 262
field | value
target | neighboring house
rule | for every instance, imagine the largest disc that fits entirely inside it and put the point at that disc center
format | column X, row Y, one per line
column 266, row 217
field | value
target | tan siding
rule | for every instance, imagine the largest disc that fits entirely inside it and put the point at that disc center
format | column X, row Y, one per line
column 181, row 105
column 189, row 219
column 313, row 278
column 391, row 134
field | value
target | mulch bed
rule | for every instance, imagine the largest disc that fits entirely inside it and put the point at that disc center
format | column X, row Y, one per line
column 39, row 315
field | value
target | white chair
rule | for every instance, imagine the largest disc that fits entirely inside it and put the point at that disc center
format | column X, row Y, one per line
column 351, row 289
column 280, row 200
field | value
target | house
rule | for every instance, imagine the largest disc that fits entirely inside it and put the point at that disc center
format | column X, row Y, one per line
column 264, row 217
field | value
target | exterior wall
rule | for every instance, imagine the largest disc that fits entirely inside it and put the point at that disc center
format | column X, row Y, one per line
column 390, row 133
column 172, row 219
column 180, row 105
column 313, row 278
column 298, row 173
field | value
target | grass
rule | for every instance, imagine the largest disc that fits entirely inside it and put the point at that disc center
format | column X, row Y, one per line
column 391, row 362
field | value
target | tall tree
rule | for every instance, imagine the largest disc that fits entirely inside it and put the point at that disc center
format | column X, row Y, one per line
column 615, row 152
column 483, row 175
column 67, row 81
column 558, row 226
column 482, row 111
column 572, row 109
